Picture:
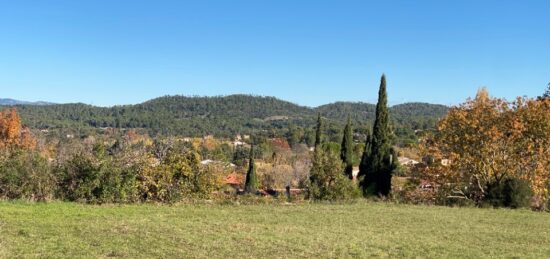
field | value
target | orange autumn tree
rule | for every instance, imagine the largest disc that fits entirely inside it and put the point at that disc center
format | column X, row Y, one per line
column 533, row 121
column 12, row 133
column 488, row 140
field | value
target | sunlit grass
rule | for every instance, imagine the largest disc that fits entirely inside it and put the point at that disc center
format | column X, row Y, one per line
column 363, row 229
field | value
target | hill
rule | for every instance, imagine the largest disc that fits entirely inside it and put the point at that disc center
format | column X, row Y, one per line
column 220, row 115
column 10, row 102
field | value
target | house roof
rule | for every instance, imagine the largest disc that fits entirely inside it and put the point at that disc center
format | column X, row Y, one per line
column 210, row 161
column 407, row 161
column 233, row 178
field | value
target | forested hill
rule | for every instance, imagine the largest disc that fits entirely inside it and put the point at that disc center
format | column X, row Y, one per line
column 222, row 116
column 7, row 101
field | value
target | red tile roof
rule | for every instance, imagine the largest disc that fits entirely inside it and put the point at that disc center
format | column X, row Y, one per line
column 234, row 179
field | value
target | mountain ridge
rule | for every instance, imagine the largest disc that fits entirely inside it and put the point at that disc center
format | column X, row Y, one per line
column 15, row 102
column 10, row 102
column 224, row 115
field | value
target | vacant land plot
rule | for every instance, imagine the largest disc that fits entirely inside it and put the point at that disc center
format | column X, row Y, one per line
column 318, row 230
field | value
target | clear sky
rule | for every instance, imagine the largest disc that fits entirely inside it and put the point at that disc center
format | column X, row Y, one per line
column 308, row 52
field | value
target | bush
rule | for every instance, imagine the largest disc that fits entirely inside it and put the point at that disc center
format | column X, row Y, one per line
column 411, row 193
column 178, row 176
column 116, row 183
column 79, row 179
column 510, row 193
column 328, row 181
column 26, row 175
column 89, row 179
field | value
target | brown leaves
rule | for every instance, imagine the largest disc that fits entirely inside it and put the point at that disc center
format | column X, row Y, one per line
column 489, row 139
column 12, row 134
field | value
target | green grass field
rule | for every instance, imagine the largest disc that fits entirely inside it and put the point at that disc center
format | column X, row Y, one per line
column 363, row 229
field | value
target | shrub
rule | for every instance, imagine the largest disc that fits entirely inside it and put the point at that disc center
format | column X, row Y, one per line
column 410, row 192
column 510, row 193
column 26, row 175
column 102, row 180
column 79, row 179
column 117, row 183
column 327, row 179
column 178, row 176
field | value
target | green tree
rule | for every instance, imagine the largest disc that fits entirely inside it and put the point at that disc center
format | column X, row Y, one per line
column 179, row 175
column 319, row 133
column 346, row 150
column 251, row 184
column 26, row 175
column 326, row 179
column 377, row 177
column 293, row 135
column 80, row 179
column 546, row 94
column 363, row 165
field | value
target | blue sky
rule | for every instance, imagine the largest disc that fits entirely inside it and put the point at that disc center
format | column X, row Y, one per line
column 308, row 52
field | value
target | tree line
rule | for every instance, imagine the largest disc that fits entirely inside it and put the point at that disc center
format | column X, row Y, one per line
column 227, row 116
column 486, row 151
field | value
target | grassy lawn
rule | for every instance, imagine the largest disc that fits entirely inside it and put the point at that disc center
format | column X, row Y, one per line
column 349, row 230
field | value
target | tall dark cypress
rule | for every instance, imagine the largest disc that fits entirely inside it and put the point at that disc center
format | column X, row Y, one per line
column 379, row 168
column 346, row 150
column 251, row 184
column 319, row 133
column 363, row 165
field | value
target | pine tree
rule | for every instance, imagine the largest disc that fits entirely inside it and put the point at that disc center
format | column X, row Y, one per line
column 251, row 184
column 346, row 150
column 377, row 178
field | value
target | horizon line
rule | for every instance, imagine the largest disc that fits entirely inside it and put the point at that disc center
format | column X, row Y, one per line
column 391, row 104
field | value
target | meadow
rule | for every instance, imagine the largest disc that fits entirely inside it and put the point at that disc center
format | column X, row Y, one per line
column 362, row 229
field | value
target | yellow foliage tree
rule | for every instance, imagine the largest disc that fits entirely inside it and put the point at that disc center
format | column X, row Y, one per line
column 12, row 134
column 488, row 140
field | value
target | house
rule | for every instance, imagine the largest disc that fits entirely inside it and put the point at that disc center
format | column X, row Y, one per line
column 280, row 143
column 210, row 161
column 206, row 162
column 240, row 137
column 407, row 161
column 238, row 143
column 425, row 185
column 233, row 183
column 233, row 179
column 429, row 160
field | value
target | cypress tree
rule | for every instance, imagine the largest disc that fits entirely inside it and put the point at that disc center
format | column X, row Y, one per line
column 317, row 155
column 363, row 165
column 378, row 174
column 546, row 94
column 251, row 184
column 319, row 133
column 346, row 150
column 394, row 159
